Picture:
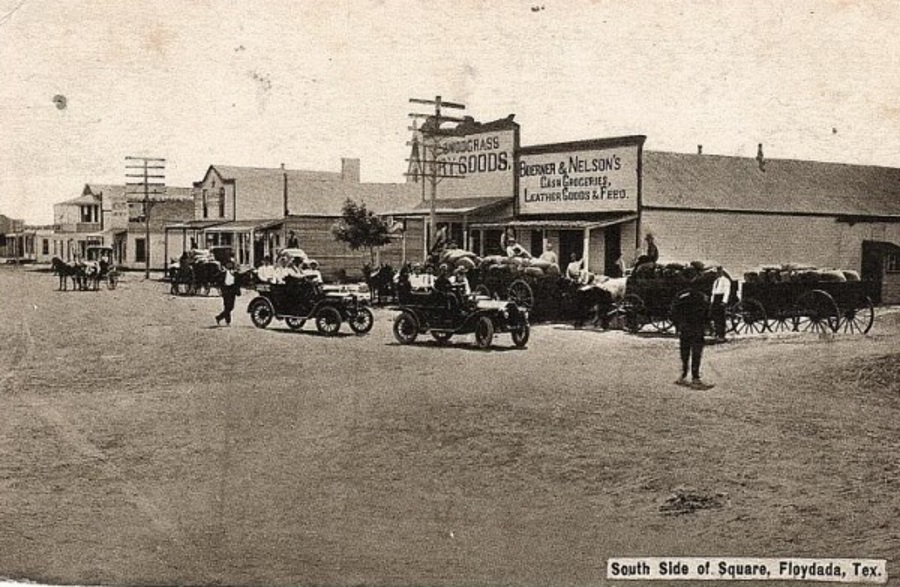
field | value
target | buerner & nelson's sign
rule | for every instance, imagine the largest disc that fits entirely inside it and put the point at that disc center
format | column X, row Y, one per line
column 591, row 180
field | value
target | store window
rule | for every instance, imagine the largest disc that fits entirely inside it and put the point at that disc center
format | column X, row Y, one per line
column 45, row 246
column 892, row 263
column 205, row 199
column 140, row 250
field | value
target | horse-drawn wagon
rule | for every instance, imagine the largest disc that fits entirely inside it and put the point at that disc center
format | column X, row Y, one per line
column 197, row 272
column 790, row 298
column 652, row 288
column 89, row 272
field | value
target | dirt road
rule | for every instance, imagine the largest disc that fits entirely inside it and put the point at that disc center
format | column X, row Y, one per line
column 141, row 444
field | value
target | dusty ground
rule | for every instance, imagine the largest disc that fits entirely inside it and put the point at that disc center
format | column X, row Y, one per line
column 140, row 444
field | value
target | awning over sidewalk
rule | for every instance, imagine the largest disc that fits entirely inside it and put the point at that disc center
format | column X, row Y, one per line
column 454, row 206
column 194, row 225
column 588, row 222
column 239, row 226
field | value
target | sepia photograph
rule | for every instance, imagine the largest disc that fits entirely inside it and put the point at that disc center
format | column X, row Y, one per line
column 398, row 292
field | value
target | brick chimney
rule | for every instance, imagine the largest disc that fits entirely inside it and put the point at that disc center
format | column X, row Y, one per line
column 350, row 170
column 760, row 159
column 699, row 149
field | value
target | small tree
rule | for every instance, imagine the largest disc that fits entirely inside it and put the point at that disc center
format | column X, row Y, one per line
column 361, row 228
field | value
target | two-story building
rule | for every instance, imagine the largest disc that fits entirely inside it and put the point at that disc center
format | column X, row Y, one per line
column 257, row 211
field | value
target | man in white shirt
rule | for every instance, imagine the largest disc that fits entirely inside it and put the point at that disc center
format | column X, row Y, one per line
column 514, row 249
column 721, row 292
column 549, row 255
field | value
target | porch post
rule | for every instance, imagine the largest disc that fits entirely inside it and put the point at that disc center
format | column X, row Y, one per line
column 587, row 249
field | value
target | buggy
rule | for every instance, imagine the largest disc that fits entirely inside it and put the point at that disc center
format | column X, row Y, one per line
column 302, row 299
column 444, row 314
column 100, row 259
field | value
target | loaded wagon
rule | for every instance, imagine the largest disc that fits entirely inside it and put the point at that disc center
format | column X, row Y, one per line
column 804, row 300
column 652, row 288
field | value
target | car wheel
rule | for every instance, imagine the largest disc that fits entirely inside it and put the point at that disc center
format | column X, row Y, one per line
column 294, row 323
column 328, row 321
column 406, row 328
column 520, row 336
column 261, row 312
column 362, row 321
column 484, row 332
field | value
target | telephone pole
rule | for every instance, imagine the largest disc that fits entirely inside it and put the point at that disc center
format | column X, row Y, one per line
column 151, row 173
column 431, row 139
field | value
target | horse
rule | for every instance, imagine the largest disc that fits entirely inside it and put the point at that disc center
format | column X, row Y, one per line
column 381, row 282
column 64, row 271
column 595, row 301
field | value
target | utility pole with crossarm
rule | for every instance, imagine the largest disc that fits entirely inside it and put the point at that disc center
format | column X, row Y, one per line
column 431, row 139
column 151, row 175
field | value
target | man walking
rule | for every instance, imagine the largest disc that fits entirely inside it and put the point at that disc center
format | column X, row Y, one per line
column 230, row 290
column 690, row 316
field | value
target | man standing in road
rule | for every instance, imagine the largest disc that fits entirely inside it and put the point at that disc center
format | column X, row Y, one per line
column 720, row 293
column 689, row 313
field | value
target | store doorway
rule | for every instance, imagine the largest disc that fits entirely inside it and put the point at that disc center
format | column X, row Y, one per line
column 612, row 250
column 571, row 242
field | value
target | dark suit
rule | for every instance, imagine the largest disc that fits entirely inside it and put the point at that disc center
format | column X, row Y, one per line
column 689, row 314
column 229, row 293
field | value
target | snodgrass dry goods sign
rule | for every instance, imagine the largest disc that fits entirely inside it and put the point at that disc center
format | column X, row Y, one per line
column 585, row 177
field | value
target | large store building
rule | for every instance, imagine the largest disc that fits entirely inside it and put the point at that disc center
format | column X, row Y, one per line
column 597, row 199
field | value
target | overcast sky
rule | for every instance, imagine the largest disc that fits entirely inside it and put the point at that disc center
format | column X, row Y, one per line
column 259, row 83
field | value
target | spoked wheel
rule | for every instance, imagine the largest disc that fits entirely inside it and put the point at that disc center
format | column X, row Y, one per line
column 261, row 312
column 815, row 311
column 748, row 317
column 406, row 328
column 632, row 307
column 484, row 332
column 858, row 319
column 328, row 321
column 520, row 335
column 483, row 290
column 520, row 292
column 661, row 324
column 362, row 321
column 294, row 323
column 782, row 322
column 441, row 337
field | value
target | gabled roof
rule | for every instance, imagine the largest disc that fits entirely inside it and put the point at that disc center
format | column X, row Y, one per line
column 269, row 178
column 717, row 182
column 83, row 200
column 315, row 193
column 105, row 189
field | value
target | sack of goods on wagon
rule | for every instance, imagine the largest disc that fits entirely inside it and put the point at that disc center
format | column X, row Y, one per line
column 797, row 297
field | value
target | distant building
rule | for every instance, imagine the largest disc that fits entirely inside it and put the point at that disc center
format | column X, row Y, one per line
column 105, row 215
column 256, row 211
column 8, row 226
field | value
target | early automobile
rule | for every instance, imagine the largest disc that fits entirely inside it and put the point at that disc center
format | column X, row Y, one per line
column 304, row 299
column 444, row 314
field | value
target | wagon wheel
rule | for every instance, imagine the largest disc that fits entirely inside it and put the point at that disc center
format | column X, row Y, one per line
column 294, row 323
column 520, row 292
column 635, row 312
column 748, row 317
column 328, row 321
column 483, row 290
column 815, row 311
column 859, row 317
column 662, row 324
column 781, row 322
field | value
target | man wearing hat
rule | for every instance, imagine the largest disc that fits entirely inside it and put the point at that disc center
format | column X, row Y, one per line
column 230, row 290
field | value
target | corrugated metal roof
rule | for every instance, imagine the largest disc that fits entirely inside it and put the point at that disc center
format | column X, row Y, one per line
column 717, row 182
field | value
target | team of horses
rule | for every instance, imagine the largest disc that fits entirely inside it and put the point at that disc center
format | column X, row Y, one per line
column 85, row 275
